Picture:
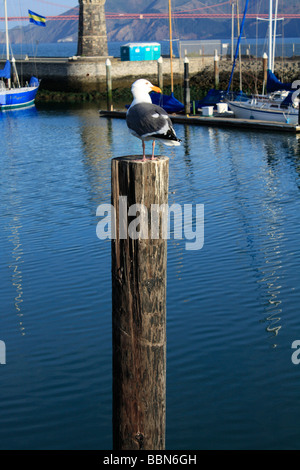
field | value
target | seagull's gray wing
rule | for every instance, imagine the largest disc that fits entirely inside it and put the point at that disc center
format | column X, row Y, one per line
column 148, row 120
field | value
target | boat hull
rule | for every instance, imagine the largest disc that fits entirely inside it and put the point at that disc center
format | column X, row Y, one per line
column 244, row 111
column 17, row 98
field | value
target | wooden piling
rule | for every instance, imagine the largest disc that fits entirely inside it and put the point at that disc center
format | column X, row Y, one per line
column 186, row 87
column 138, row 306
column 160, row 73
column 216, row 70
column 265, row 71
column 108, row 85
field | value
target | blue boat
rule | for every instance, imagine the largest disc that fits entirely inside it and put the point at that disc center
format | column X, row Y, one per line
column 13, row 98
column 19, row 97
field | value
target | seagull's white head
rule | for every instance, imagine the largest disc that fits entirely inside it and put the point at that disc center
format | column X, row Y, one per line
column 140, row 90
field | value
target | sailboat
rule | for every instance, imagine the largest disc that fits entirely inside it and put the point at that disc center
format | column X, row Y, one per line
column 214, row 96
column 18, row 97
column 279, row 105
column 168, row 102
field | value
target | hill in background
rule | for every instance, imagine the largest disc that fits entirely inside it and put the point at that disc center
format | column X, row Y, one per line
column 156, row 30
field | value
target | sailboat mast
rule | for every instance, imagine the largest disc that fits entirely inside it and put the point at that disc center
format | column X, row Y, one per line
column 171, row 46
column 232, row 30
column 240, row 54
column 270, row 65
column 6, row 31
column 274, row 35
column 6, row 39
column 238, row 45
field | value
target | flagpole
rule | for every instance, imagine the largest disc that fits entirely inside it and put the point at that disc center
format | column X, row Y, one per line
column 6, row 37
column 171, row 46
column 270, row 65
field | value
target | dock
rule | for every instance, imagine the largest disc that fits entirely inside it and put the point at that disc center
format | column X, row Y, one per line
column 218, row 121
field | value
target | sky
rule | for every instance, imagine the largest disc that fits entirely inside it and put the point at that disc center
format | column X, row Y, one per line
column 42, row 7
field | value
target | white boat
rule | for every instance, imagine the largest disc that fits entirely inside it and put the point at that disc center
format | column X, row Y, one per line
column 278, row 106
column 10, row 97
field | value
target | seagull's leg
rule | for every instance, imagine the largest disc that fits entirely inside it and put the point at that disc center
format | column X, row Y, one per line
column 153, row 145
column 144, row 156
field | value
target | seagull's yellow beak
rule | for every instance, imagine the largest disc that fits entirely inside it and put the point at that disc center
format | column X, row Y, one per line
column 155, row 88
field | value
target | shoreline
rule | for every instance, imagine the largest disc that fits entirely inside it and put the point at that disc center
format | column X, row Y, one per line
column 80, row 80
column 200, row 83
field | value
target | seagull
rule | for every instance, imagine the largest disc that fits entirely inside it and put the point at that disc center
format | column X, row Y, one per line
column 146, row 120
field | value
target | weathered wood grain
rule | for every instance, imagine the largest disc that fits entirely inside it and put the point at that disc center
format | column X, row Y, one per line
column 139, row 310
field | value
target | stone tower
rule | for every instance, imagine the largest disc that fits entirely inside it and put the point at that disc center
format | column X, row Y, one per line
column 92, row 39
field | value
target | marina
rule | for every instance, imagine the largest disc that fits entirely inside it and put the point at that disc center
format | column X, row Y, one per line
column 232, row 306
column 149, row 269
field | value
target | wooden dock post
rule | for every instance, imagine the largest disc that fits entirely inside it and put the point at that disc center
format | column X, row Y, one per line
column 108, row 85
column 216, row 69
column 265, row 72
column 187, row 94
column 139, row 304
column 160, row 73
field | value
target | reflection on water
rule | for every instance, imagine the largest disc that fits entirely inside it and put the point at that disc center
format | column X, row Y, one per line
column 261, row 219
column 97, row 144
column 17, row 254
column 13, row 228
column 226, row 302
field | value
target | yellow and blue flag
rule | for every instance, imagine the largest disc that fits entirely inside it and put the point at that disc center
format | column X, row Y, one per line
column 36, row 19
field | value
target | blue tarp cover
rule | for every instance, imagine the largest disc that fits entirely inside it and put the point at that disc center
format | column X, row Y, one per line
column 217, row 96
column 287, row 101
column 211, row 99
column 273, row 84
column 5, row 73
column 34, row 81
column 168, row 102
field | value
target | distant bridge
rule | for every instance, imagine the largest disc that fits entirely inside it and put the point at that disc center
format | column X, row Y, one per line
column 186, row 15
column 156, row 16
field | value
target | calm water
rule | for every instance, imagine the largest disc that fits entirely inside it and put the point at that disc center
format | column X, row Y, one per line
column 233, row 306
column 288, row 48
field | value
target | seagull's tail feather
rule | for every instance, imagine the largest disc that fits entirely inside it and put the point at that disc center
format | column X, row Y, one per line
column 171, row 143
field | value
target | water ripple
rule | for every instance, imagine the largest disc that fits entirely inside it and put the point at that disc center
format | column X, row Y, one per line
column 232, row 307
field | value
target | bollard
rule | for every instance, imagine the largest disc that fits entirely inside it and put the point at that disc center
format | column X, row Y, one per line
column 265, row 72
column 108, row 85
column 160, row 73
column 216, row 70
column 187, row 94
column 139, row 305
